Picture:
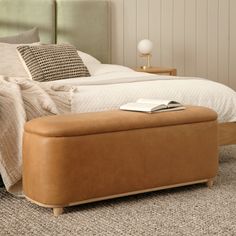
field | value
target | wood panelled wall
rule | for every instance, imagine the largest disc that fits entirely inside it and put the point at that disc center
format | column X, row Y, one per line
column 198, row 37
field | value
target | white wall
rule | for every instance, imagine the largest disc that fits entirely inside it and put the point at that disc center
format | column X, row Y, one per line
column 198, row 37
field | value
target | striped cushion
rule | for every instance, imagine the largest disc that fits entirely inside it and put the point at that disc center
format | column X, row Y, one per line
column 52, row 62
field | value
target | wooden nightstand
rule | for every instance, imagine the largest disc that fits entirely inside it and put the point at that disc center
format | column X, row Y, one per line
column 158, row 70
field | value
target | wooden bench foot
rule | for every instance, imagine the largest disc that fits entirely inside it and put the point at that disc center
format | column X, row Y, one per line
column 210, row 183
column 57, row 211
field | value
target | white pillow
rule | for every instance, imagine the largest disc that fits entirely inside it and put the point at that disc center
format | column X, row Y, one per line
column 88, row 59
column 90, row 62
column 109, row 68
column 10, row 63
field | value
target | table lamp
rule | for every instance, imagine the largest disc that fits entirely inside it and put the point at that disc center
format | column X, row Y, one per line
column 145, row 48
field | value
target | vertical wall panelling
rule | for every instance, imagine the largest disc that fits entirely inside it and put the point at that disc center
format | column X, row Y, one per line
column 117, row 31
column 142, row 24
column 223, row 42
column 202, row 38
column 212, row 37
column 130, row 33
column 232, row 46
column 190, row 37
column 198, row 37
column 178, row 35
column 166, row 32
column 155, row 30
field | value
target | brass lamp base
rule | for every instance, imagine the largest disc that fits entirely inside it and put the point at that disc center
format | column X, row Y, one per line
column 145, row 67
column 148, row 56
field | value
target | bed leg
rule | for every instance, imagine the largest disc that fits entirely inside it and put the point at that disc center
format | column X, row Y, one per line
column 57, row 211
column 210, row 183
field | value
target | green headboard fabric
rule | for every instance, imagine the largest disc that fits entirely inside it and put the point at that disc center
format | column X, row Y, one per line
column 83, row 23
column 20, row 15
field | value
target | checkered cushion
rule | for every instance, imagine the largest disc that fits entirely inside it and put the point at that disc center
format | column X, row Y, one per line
column 52, row 62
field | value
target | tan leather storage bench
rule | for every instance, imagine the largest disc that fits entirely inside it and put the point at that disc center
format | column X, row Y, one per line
column 79, row 158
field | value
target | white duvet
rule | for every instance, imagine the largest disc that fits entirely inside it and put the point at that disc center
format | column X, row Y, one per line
column 111, row 86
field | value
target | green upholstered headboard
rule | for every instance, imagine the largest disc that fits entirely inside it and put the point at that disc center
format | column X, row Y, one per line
column 83, row 23
column 20, row 15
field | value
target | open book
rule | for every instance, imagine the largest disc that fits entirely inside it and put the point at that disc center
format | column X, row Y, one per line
column 152, row 105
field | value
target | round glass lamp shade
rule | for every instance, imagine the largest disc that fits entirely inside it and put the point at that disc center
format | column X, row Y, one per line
column 145, row 46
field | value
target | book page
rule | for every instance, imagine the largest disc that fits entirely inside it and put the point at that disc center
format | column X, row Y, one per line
column 145, row 107
column 158, row 102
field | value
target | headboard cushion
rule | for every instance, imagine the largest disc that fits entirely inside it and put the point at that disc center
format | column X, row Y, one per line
column 17, row 16
column 85, row 24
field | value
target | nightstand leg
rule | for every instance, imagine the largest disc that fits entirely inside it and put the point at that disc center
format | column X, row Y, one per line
column 173, row 72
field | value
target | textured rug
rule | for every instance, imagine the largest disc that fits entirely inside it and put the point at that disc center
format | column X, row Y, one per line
column 194, row 210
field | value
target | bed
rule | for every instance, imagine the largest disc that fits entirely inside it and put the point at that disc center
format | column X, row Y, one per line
column 110, row 85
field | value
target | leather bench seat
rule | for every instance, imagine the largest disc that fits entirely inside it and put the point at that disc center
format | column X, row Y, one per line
column 77, row 158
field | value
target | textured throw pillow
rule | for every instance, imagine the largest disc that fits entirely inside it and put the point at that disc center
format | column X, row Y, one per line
column 52, row 62
column 10, row 63
column 30, row 36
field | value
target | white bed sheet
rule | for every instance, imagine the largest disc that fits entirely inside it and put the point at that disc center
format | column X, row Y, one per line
column 110, row 86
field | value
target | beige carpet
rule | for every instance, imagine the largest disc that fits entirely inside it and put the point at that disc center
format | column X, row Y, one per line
column 194, row 210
